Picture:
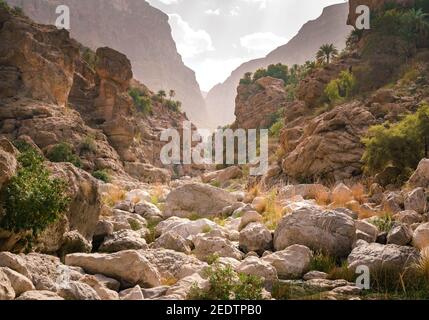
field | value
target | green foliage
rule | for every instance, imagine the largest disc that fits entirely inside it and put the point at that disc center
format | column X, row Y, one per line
column 276, row 128
column 247, row 79
column 342, row 272
column 63, row 152
column 161, row 94
column 340, row 89
column 322, row 262
column 142, row 103
column 4, row 5
column 226, row 284
column 32, row 199
column 175, row 106
column 22, row 146
column 401, row 145
column 102, row 175
column 384, row 223
column 326, row 53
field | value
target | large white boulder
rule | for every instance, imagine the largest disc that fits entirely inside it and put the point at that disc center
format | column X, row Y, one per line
column 203, row 200
column 290, row 263
column 321, row 230
column 128, row 266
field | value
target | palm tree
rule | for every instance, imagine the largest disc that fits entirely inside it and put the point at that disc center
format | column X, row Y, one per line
column 161, row 95
column 420, row 20
column 326, row 53
column 171, row 94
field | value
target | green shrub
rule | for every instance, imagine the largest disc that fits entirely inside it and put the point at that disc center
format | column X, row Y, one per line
column 340, row 89
column 401, row 145
column 322, row 262
column 22, row 146
column 32, row 199
column 276, row 128
column 226, row 284
column 102, row 175
column 142, row 103
column 63, row 152
column 384, row 223
column 175, row 106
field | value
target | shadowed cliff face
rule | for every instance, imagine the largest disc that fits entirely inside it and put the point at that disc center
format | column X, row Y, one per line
column 330, row 27
column 136, row 29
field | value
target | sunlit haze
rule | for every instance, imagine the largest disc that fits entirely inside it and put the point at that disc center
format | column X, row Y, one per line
column 215, row 36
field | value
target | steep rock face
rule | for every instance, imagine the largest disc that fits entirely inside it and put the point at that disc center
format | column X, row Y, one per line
column 136, row 29
column 256, row 103
column 330, row 27
column 85, row 106
column 43, row 59
column 38, row 61
column 330, row 145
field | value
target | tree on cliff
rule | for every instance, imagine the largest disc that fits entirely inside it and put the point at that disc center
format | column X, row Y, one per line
column 326, row 53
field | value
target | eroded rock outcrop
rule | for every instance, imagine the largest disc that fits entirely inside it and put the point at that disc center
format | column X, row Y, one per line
column 330, row 145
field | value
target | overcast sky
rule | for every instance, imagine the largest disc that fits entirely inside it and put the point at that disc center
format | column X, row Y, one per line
column 215, row 36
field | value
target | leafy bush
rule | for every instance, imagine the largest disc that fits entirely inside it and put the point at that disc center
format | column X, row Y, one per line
column 401, row 145
column 276, row 128
column 339, row 89
column 63, row 152
column 32, row 199
column 22, row 146
column 226, row 284
column 142, row 103
column 173, row 105
column 102, row 175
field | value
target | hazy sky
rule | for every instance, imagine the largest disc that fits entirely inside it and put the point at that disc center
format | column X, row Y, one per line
column 215, row 36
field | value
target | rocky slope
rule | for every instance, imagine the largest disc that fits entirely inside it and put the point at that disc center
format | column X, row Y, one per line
column 51, row 96
column 136, row 29
column 330, row 27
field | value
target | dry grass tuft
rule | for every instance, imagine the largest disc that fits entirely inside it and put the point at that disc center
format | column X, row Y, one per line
column 113, row 196
column 359, row 193
column 273, row 211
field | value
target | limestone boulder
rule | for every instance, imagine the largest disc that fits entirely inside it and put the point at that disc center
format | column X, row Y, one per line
column 204, row 200
column 321, row 230
column 290, row 263
column 421, row 236
column 376, row 256
column 255, row 237
column 128, row 266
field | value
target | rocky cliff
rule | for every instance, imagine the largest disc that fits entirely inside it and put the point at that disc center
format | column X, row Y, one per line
column 330, row 27
column 52, row 96
column 136, row 29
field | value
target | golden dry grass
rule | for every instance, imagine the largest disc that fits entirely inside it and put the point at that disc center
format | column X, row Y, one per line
column 273, row 211
column 422, row 264
column 113, row 196
column 358, row 191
